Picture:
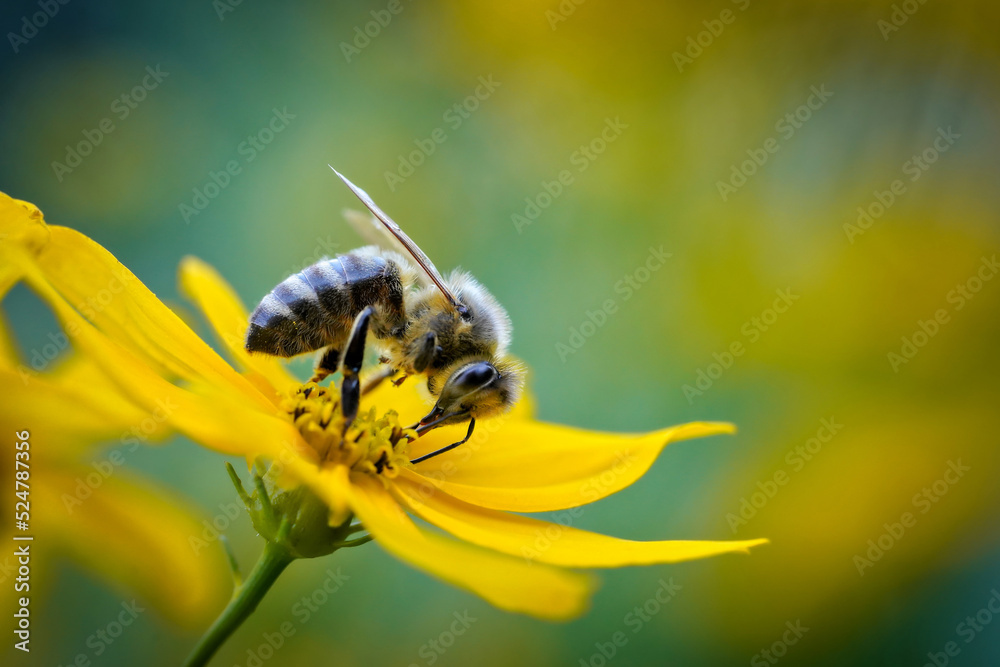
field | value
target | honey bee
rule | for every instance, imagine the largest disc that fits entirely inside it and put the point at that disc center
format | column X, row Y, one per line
column 451, row 329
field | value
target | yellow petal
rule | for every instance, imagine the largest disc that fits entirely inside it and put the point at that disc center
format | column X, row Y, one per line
column 119, row 305
column 139, row 541
column 332, row 484
column 508, row 583
column 74, row 407
column 536, row 467
column 542, row 541
column 8, row 349
column 21, row 225
column 206, row 413
column 229, row 319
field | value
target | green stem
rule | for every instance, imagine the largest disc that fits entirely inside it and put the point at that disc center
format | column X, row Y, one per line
column 246, row 597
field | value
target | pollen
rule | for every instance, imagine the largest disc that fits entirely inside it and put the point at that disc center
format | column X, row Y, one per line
column 376, row 445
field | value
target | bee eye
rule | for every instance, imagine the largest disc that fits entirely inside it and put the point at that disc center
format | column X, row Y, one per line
column 464, row 312
column 476, row 375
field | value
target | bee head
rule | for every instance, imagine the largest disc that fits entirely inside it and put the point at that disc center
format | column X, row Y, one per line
column 476, row 389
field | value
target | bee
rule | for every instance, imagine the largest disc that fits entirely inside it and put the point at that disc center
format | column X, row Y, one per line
column 450, row 330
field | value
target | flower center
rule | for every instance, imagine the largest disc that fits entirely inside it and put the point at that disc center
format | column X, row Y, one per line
column 377, row 446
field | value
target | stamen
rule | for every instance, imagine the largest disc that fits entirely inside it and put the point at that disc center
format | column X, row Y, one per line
column 377, row 445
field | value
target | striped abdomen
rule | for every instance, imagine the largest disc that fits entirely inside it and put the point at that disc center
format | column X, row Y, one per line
column 316, row 307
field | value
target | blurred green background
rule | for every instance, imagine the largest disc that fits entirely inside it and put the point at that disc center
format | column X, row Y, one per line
column 716, row 148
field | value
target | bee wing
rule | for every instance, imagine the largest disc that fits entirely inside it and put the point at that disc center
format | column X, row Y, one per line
column 410, row 248
column 374, row 232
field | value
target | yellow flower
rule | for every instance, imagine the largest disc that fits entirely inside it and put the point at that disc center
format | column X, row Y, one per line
column 95, row 513
column 474, row 493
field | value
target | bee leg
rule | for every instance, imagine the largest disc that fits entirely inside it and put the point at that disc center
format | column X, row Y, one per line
column 472, row 426
column 376, row 378
column 327, row 365
column 354, row 355
column 428, row 348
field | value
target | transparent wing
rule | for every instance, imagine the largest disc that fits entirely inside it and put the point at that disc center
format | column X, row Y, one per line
column 374, row 232
column 409, row 247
